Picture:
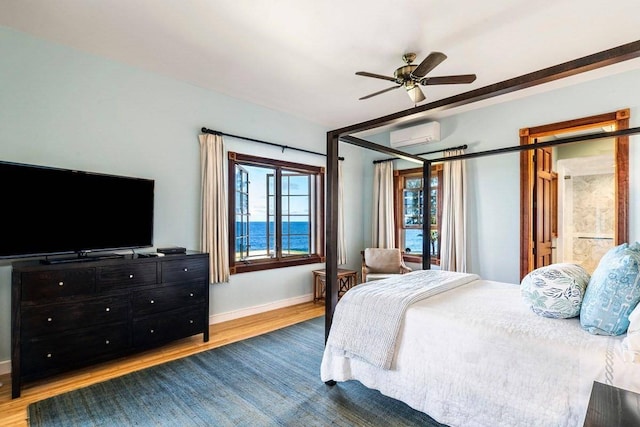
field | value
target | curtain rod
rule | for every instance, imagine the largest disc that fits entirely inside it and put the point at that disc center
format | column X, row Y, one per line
column 460, row 147
column 273, row 144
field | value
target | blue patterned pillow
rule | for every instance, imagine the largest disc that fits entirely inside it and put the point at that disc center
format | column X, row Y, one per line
column 613, row 291
column 555, row 290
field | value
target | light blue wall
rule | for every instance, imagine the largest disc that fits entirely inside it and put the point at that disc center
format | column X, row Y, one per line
column 60, row 107
column 64, row 108
column 493, row 182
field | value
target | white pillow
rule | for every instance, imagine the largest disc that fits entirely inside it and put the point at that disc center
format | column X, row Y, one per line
column 555, row 290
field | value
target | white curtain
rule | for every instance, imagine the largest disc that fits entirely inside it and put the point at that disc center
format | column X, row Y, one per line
column 342, row 242
column 383, row 227
column 215, row 236
column 453, row 255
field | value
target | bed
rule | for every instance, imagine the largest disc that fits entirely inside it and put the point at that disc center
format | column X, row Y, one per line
column 473, row 354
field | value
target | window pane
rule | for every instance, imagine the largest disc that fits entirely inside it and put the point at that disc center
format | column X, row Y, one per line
column 412, row 209
column 434, row 206
column 296, row 236
column 295, row 240
column 299, row 205
column 257, row 240
column 298, row 185
column 413, row 183
column 413, row 241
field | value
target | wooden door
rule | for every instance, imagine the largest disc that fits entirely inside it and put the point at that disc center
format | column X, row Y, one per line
column 542, row 203
column 619, row 120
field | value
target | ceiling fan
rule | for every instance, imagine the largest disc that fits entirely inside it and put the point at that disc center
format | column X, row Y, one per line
column 411, row 76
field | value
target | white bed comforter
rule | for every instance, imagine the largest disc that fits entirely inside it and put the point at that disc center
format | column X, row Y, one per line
column 371, row 313
column 477, row 356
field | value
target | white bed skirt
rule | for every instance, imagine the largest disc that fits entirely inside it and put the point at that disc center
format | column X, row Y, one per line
column 477, row 356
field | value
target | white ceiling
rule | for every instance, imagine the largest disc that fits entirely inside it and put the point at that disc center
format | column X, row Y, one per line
column 300, row 56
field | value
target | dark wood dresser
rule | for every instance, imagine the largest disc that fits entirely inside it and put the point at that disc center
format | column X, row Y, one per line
column 65, row 316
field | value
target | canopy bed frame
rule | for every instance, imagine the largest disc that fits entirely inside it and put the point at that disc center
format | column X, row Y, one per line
column 571, row 68
column 446, row 369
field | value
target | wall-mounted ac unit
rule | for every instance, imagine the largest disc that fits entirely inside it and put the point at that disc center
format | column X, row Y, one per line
column 415, row 135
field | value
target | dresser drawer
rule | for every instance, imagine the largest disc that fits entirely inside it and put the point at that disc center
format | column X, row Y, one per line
column 49, row 284
column 168, row 297
column 184, row 269
column 168, row 326
column 53, row 318
column 126, row 275
column 67, row 351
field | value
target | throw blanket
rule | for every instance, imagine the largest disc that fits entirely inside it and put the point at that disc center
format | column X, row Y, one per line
column 368, row 317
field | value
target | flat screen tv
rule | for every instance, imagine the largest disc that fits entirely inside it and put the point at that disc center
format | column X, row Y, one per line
column 49, row 211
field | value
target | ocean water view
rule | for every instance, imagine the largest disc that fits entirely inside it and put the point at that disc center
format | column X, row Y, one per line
column 413, row 242
column 295, row 236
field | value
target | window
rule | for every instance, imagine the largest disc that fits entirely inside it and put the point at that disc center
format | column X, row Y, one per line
column 277, row 212
column 409, row 202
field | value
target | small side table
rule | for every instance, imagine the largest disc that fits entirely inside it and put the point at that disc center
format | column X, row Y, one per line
column 347, row 279
column 612, row 407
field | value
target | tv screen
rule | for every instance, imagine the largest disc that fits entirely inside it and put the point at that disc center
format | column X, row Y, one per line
column 53, row 211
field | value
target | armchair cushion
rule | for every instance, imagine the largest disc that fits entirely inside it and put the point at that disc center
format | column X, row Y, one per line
column 378, row 263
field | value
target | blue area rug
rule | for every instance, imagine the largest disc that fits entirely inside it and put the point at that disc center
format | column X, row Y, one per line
column 269, row 380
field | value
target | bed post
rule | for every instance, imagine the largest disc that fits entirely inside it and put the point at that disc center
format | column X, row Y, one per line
column 426, row 215
column 331, row 224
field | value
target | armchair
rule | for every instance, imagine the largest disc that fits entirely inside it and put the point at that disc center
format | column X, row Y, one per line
column 380, row 263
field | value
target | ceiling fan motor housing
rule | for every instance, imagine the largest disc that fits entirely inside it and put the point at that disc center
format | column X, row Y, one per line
column 403, row 74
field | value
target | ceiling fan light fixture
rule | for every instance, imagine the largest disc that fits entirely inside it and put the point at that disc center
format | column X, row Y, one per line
column 415, row 93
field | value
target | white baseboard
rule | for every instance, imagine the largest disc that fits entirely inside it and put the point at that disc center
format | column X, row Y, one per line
column 243, row 312
column 5, row 366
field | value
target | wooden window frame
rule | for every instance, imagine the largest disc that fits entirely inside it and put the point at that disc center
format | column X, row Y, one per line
column 318, row 245
column 399, row 177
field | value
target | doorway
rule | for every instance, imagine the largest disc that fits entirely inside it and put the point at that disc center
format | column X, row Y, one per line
column 540, row 186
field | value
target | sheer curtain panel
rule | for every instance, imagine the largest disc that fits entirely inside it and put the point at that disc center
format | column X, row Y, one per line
column 383, row 227
column 215, row 236
column 453, row 256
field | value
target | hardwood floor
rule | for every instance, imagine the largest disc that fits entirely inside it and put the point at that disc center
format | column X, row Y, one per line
column 13, row 412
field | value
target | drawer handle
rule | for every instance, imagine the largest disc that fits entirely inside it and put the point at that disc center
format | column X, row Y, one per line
column 60, row 283
column 186, row 269
column 190, row 294
column 107, row 309
column 131, row 276
column 106, row 342
column 49, row 319
column 151, row 331
column 191, row 321
column 49, row 355
column 152, row 301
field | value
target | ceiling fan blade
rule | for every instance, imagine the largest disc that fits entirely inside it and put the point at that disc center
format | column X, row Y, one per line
column 416, row 94
column 430, row 62
column 375, row 76
column 379, row 92
column 449, row 80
